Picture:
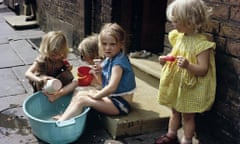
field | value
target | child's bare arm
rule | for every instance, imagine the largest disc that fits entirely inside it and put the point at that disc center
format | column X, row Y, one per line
column 29, row 74
column 199, row 69
column 113, row 83
column 63, row 91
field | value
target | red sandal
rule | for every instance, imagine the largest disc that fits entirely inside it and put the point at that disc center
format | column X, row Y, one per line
column 166, row 140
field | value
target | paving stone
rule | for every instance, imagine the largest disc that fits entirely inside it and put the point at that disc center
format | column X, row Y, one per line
column 9, row 57
column 14, row 127
column 10, row 85
column 4, row 41
column 12, row 101
column 6, row 30
column 30, row 33
column 148, row 138
column 20, row 73
column 24, row 51
column 4, row 14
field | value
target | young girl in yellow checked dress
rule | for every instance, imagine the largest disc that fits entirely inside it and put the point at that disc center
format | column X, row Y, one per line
column 188, row 82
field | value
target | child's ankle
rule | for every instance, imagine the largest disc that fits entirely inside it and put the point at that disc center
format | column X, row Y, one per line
column 172, row 133
column 185, row 140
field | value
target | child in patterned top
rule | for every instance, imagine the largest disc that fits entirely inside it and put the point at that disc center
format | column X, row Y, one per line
column 51, row 64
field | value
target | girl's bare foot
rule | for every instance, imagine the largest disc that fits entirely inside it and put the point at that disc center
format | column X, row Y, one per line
column 51, row 98
column 56, row 117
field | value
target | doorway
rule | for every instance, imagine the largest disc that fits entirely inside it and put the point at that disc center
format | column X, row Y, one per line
column 144, row 21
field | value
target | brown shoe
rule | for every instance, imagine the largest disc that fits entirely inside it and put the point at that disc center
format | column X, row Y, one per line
column 166, row 140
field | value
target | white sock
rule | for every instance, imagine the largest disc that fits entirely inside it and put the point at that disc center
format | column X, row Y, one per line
column 172, row 133
column 184, row 140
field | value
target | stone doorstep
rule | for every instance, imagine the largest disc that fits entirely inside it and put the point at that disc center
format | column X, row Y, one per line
column 19, row 22
column 137, row 122
column 149, row 65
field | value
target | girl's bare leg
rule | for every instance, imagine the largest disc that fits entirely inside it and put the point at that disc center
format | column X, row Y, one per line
column 174, row 123
column 188, row 127
column 80, row 101
column 75, row 107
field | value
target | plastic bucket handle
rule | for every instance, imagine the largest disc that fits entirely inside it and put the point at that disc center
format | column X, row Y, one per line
column 66, row 122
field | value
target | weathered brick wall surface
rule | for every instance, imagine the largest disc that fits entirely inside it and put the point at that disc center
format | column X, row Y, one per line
column 101, row 10
column 69, row 17
column 223, row 121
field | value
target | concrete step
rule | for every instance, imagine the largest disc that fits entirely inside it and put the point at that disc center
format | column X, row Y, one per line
column 18, row 22
column 147, row 115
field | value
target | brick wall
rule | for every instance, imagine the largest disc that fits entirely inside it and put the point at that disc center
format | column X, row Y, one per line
column 101, row 11
column 223, row 121
column 69, row 17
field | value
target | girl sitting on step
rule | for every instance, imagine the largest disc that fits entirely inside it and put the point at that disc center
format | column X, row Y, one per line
column 116, row 75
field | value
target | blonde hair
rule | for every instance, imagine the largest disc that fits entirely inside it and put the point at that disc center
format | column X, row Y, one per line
column 116, row 31
column 54, row 42
column 192, row 13
column 89, row 46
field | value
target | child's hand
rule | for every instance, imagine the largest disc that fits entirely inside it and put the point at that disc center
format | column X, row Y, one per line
column 42, row 80
column 182, row 62
column 163, row 59
column 96, row 72
column 51, row 97
column 96, row 69
column 67, row 65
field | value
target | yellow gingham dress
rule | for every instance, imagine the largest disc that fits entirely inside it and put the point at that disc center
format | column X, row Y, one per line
column 180, row 89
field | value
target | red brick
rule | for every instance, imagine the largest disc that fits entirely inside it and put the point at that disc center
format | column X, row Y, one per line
column 236, row 64
column 235, row 13
column 220, row 11
column 232, row 2
column 233, row 47
column 220, row 43
column 212, row 27
column 230, row 30
column 168, row 27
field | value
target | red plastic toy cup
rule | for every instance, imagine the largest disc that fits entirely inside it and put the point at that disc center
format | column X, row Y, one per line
column 84, row 77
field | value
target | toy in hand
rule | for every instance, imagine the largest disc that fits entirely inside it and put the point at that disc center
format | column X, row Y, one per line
column 169, row 58
column 84, row 77
column 66, row 62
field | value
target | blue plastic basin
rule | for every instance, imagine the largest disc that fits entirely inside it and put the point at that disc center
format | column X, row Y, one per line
column 40, row 111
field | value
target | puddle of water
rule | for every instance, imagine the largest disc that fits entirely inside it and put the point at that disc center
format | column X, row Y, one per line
column 12, row 124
